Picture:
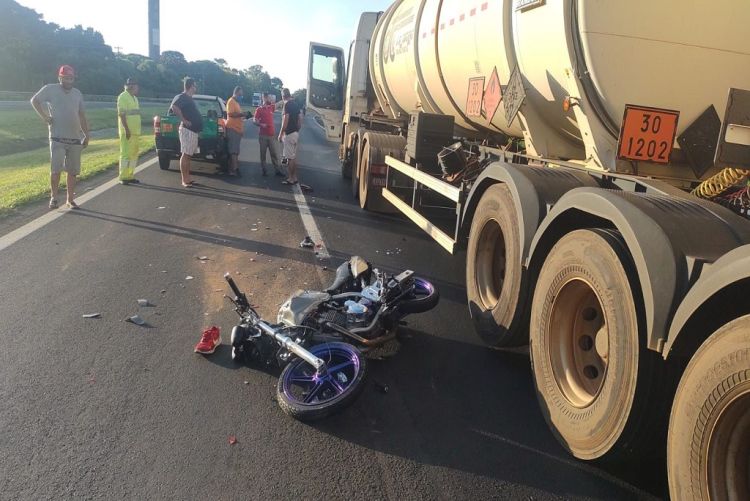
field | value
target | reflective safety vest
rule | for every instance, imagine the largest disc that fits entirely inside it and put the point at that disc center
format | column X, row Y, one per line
column 128, row 104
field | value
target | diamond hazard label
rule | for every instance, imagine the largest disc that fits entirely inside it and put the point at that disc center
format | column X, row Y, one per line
column 493, row 94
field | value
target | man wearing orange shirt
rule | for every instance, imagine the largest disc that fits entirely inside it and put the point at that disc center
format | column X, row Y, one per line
column 235, row 130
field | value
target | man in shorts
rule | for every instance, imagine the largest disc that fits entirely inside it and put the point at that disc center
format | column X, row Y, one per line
column 291, row 124
column 235, row 128
column 191, row 125
column 60, row 105
column 267, row 134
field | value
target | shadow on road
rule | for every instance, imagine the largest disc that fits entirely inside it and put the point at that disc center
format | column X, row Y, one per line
column 468, row 408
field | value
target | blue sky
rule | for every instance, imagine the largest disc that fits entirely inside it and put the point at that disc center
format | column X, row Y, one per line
column 274, row 34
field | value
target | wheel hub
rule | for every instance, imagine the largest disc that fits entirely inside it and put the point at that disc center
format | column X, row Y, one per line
column 579, row 343
column 728, row 465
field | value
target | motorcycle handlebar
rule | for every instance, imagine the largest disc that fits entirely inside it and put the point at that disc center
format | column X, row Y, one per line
column 232, row 285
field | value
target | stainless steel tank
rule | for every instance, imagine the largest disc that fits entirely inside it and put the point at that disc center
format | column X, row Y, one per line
column 434, row 55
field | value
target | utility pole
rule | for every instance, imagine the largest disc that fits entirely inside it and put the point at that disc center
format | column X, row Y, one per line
column 154, row 46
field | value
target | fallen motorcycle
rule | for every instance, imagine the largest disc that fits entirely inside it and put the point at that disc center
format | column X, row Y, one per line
column 363, row 306
column 314, row 382
column 360, row 311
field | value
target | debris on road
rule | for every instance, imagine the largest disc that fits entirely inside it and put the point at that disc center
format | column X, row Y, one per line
column 307, row 243
column 189, row 277
column 232, row 440
column 202, row 258
column 144, row 302
column 137, row 320
column 92, row 315
column 160, row 208
column 382, row 387
column 163, row 291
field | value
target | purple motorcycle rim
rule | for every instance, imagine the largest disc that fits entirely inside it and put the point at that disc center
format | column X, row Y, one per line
column 302, row 385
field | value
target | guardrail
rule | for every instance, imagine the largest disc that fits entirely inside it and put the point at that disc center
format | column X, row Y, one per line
column 25, row 96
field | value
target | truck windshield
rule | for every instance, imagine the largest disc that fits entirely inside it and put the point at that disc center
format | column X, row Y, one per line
column 204, row 106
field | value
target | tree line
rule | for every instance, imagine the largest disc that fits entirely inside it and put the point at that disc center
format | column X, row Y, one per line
column 31, row 51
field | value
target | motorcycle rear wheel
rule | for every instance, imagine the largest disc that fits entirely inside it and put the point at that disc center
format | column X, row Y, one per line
column 308, row 396
column 424, row 298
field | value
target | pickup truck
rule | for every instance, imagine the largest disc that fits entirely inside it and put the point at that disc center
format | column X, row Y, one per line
column 212, row 144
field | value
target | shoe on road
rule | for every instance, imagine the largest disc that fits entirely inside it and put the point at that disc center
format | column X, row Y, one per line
column 210, row 340
column 52, row 203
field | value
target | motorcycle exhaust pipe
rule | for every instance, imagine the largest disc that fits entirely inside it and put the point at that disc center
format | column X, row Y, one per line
column 370, row 343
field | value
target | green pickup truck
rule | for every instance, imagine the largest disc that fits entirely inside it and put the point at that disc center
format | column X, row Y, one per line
column 212, row 144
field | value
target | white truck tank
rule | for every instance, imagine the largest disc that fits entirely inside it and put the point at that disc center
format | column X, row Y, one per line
column 440, row 56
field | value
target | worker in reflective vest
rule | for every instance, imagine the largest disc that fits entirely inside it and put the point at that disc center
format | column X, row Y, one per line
column 129, row 113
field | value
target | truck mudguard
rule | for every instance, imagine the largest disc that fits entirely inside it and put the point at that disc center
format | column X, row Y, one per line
column 534, row 190
column 724, row 287
column 669, row 240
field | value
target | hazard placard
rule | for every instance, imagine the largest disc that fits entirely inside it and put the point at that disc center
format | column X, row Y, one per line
column 647, row 134
column 493, row 94
column 474, row 98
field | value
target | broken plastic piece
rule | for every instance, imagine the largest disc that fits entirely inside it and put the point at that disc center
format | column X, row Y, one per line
column 189, row 277
column 92, row 315
column 135, row 319
column 307, row 243
column 203, row 258
column 143, row 302
column 232, row 440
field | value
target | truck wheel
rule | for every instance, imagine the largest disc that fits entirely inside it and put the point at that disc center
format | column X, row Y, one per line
column 355, row 170
column 493, row 270
column 708, row 450
column 595, row 379
column 164, row 161
column 375, row 147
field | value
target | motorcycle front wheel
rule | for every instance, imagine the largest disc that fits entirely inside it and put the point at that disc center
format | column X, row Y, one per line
column 308, row 396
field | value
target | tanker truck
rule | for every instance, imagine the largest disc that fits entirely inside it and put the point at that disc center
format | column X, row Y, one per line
column 590, row 159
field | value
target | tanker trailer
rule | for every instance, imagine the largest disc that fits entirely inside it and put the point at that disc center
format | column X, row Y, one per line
column 586, row 130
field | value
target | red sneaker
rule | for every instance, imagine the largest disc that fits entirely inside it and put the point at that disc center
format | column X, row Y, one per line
column 210, row 340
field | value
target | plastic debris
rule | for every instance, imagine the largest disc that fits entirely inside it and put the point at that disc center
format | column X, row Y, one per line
column 160, row 208
column 382, row 387
column 189, row 277
column 135, row 319
column 144, row 302
column 203, row 258
column 253, row 229
column 232, row 440
column 92, row 315
column 307, row 243
column 163, row 291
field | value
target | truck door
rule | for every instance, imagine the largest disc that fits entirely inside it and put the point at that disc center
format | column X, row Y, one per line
column 326, row 82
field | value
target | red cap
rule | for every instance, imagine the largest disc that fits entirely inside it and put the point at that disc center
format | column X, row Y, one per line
column 66, row 71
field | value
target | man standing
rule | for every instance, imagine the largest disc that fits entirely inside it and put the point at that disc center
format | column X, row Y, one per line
column 129, row 128
column 235, row 130
column 61, row 106
column 191, row 125
column 289, row 135
column 267, row 133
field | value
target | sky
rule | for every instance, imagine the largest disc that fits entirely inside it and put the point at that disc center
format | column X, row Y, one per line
column 275, row 34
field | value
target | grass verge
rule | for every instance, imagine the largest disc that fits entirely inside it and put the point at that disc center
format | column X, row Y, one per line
column 22, row 130
column 24, row 177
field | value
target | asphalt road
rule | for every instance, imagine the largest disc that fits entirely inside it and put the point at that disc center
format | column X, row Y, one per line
column 106, row 409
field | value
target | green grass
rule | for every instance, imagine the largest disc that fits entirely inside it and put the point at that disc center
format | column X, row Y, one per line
column 22, row 130
column 24, row 177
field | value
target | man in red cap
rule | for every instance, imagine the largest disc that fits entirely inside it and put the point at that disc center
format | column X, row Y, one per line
column 61, row 107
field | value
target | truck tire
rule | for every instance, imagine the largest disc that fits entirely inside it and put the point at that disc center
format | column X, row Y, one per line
column 164, row 161
column 708, row 449
column 375, row 147
column 596, row 381
column 355, row 170
column 493, row 270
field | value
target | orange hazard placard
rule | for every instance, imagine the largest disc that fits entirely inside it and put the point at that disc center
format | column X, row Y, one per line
column 647, row 134
column 493, row 94
column 475, row 96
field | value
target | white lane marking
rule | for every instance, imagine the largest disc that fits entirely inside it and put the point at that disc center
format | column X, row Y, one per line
column 309, row 222
column 42, row 221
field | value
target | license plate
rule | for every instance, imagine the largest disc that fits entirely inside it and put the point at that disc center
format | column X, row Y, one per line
column 647, row 134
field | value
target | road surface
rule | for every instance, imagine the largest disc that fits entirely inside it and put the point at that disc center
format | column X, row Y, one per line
column 101, row 408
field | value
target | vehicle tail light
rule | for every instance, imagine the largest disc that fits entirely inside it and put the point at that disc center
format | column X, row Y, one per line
column 157, row 125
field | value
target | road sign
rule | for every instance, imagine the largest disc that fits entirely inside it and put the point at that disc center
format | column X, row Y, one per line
column 647, row 134
column 513, row 96
column 493, row 94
